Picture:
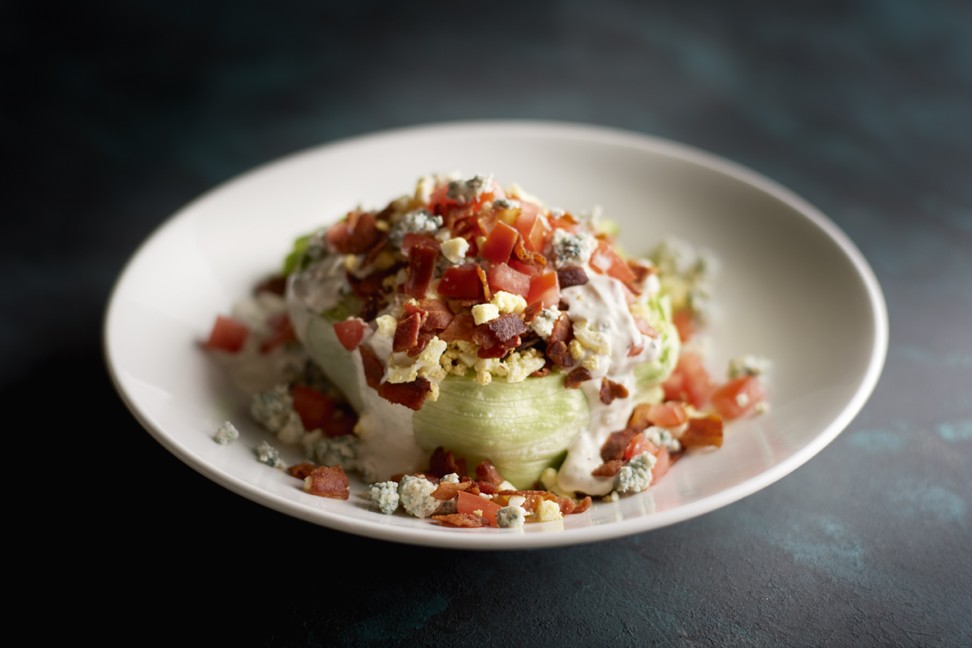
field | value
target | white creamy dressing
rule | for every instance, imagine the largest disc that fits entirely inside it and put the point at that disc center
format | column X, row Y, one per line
column 602, row 304
column 387, row 444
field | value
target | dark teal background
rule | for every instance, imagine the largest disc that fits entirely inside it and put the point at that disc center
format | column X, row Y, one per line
column 115, row 114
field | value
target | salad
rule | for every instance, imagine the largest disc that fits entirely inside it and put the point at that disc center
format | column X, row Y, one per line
column 480, row 358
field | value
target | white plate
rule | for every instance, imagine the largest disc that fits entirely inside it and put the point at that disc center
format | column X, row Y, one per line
column 792, row 288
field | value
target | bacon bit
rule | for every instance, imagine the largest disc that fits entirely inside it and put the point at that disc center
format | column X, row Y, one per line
column 487, row 487
column 328, row 481
column 645, row 327
column 354, row 235
column 461, row 520
column 530, row 257
column 437, row 315
column 422, row 256
column 484, row 280
column 640, row 270
column 447, row 490
column 576, row 377
column 374, row 371
column 276, row 284
column 507, row 326
column 406, row 333
column 611, row 390
column 531, row 311
column 411, row 394
column 461, row 327
column 560, row 355
column 572, row 276
column 495, row 351
column 608, row 468
column 616, row 443
column 563, row 330
column 371, row 255
column 350, row 332
column 639, row 419
column 282, row 332
column 541, row 372
column 583, row 504
column 301, row 471
column 703, row 431
column 487, row 472
column 312, row 406
column 420, row 344
column 443, row 462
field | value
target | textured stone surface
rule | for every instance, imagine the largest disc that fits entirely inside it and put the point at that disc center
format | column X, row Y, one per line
column 117, row 114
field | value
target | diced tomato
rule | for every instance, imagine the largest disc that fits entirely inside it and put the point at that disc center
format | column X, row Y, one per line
column 667, row 414
column 461, row 282
column 607, row 261
column 690, row 381
column 469, row 503
column 503, row 277
column 281, row 332
column 499, row 243
column 685, row 323
column 565, row 222
column 227, row 334
column 544, row 289
column 313, row 407
column 532, row 227
column 350, row 332
column 738, row 396
column 639, row 445
column 663, row 462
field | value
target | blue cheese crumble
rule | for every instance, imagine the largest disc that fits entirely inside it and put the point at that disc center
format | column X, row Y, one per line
column 384, row 496
column 510, row 517
column 415, row 495
column 332, row 451
column 420, row 221
column 747, row 365
column 635, row 476
column 226, row 434
column 274, row 410
column 467, row 191
column 662, row 438
column 267, row 454
column 572, row 249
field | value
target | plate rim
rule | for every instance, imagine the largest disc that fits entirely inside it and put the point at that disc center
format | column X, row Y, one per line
column 435, row 536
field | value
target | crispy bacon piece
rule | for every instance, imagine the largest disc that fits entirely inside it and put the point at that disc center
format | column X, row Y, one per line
column 437, row 315
column 639, row 419
column 356, row 234
column 411, row 394
column 328, row 481
column 583, row 504
column 608, row 468
column 460, row 328
column 703, row 431
column 562, row 330
column 487, row 487
column 571, row 276
column 447, row 490
column 560, row 355
column 443, row 462
column 487, row 472
column 366, row 287
column 507, row 326
column 576, row 377
column 484, row 280
column 614, row 446
column 407, row 331
column 611, row 390
column 423, row 252
column 640, row 271
column 374, row 371
column 302, row 470
column 464, row 520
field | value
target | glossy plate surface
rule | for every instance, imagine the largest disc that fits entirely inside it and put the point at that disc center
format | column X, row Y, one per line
column 792, row 287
